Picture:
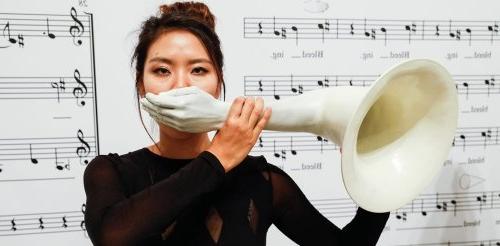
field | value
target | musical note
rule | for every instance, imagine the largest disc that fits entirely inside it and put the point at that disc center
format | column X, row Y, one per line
column 292, row 150
column 83, row 150
column 438, row 206
column 80, row 91
column 367, row 34
column 260, row 142
column 481, row 200
column 490, row 83
column 293, row 89
column 274, row 27
column 325, row 26
column 464, row 141
column 466, row 86
column 60, row 87
column 9, row 38
column 454, row 203
column 494, row 30
column 260, row 28
column 383, row 30
column 322, row 141
column 77, row 29
column 487, row 136
column 402, row 216
column 452, row 34
column 33, row 160
column 276, row 96
column 295, row 29
column 469, row 32
column 276, row 154
column 324, row 83
column 48, row 33
column 411, row 29
column 424, row 213
column 58, row 166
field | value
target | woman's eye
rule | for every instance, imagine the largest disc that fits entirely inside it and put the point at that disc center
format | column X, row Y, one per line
column 161, row 71
column 199, row 70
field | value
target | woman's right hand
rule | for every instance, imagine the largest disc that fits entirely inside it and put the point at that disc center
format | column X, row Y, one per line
column 240, row 131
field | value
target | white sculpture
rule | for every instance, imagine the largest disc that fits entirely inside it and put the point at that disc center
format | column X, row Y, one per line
column 395, row 134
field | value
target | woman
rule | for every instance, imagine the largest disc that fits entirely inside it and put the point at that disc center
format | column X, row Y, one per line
column 188, row 190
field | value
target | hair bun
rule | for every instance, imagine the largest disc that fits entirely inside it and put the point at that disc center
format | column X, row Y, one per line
column 196, row 10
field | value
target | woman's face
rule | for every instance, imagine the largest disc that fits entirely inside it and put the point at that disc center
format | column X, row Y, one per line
column 178, row 59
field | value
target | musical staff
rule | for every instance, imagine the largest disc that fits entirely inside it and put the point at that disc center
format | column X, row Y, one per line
column 469, row 31
column 76, row 87
column 476, row 136
column 424, row 205
column 280, row 143
column 40, row 223
column 279, row 86
column 453, row 203
column 488, row 242
column 51, row 26
column 34, row 150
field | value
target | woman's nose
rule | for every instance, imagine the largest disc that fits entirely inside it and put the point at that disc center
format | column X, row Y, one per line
column 182, row 80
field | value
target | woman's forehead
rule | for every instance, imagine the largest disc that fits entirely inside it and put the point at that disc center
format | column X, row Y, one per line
column 178, row 44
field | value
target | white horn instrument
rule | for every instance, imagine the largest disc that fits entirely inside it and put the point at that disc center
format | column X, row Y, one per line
column 395, row 134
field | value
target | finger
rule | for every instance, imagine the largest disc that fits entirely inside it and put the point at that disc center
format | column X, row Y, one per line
column 148, row 106
column 235, row 110
column 262, row 123
column 164, row 120
column 182, row 91
column 257, row 110
column 247, row 108
column 163, row 100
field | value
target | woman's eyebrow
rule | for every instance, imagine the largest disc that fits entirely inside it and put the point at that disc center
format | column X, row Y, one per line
column 169, row 61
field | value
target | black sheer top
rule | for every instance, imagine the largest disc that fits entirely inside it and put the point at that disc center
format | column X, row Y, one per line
column 141, row 198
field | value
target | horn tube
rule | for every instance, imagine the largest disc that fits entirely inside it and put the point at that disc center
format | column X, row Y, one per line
column 395, row 134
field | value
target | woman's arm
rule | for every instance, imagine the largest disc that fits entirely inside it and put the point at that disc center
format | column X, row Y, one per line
column 113, row 219
column 295, row 216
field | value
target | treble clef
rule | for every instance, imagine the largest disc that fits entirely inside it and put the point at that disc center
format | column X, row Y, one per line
column 84, row 150
column 77, row 29
column 80, row 91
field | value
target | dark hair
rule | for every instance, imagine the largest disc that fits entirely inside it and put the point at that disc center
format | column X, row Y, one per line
column 194, row 17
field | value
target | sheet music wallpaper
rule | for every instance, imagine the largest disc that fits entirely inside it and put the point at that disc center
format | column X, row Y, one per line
column 67, row 95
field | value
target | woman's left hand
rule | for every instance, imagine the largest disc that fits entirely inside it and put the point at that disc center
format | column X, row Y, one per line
column 187, row 109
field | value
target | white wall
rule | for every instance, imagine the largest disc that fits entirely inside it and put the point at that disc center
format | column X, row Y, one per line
column 34, row 117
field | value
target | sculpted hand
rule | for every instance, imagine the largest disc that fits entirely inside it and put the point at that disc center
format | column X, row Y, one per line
column 187, row 109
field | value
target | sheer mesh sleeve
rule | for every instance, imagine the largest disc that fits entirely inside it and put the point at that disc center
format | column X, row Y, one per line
column 111, row 218
column 295, row 216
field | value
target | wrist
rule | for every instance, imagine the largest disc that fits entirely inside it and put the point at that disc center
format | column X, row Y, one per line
column 225, row 161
